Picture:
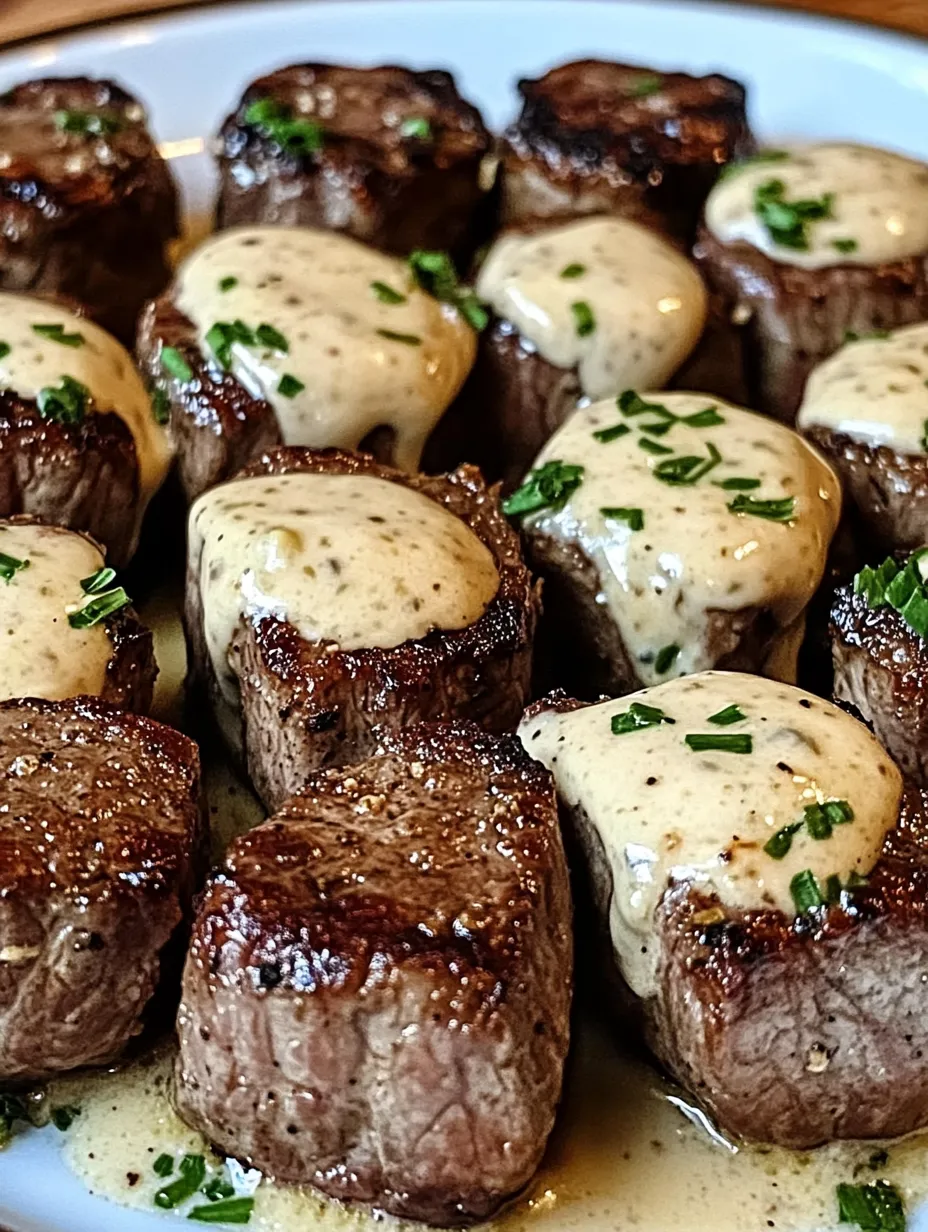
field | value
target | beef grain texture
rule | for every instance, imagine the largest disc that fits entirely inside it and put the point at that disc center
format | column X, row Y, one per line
column 304, row 709
column 376, row 998
column 795, row 318
column 595, row 137
column 98, row 837
column 84, row 216
column 394, row 190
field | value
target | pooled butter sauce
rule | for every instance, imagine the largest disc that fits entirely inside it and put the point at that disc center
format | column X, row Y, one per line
column 367, row 348
column 646, row 301
column 873, row 205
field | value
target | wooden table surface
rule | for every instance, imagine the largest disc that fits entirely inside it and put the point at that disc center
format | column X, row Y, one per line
column 22, row 18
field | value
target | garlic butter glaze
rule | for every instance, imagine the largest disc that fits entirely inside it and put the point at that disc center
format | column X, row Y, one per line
column 693, row 555
column 879, row 205
column 35, row 362
column 351, row 560
column 316, row 288
column 42, row 656
column 648, row 302
column 874, row 390
column 666, row 813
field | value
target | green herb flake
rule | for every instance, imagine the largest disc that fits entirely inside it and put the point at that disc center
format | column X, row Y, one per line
column 631, row 403
column 192, row 1175
column 230, row 1210
column 787, row 222
column 10, row 566
column 175, row 365
column 5, row 349
column 645, row 85
column 57, row 333
column 783, row 510
column 160, row 405
column 658, row 429
column 605, row 435
column 163, row 1165
column 636, row 717
column 289, row 386
column 847, row 245
column 717, row 742
column 272, row 338
column 417, row 127
column 218, row 1188
column 97, row 607
column 65, row 403
column 666, row 657
column 872, row 1208
column 227, row 283
column 779, row 845
column 727, row 716
column 434, row 272
column 737, row 484
column 687, row 470
column 902, row 587
column 276, row 122
column 407, row 339
column 924, row 440
column 649, row 446
column 87, row 123
column 806, row 892
column 574, row 270
column 584, row 321
column 385, row 293
column 99, row 581
column 634, row 518
column 63, row 1118
column 549, row 487
column 709, row 418
column 874, row 335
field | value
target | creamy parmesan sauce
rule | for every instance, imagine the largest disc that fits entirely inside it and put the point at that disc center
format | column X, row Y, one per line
column 42, row 656
column 879, row 212
column 316, row 289
column 666, row 813
column 692, row 555
column 874, row 390
column 648, row 302
column 350, row 560
column 35, row 362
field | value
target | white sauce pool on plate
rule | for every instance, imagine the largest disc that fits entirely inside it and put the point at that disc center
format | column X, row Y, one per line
column 40, row 654
column 692, row 555
column 879, row 210
column 35, row 362
column 648, row 301
column 875, row 390
column 350, row 560
column 317, row 289
column 666, row 813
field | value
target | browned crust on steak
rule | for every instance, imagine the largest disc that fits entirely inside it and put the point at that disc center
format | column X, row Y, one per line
column 99, row 236
column 84, row 476
column 325, row 925
column 395, row 192
column 98, row 840
column 584, row 143
column 888, row 490
column 799, row 317
column 305, row 709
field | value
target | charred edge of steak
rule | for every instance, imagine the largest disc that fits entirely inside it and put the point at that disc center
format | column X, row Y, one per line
column 800, row 317
column 889, row 490
column 132, row 670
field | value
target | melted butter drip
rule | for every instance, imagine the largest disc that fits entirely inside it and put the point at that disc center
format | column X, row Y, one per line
column 42, row 656
column 317, row 289
column 693, row 555
column 874, row 390
column 350, row 560
column 648, row 302
column 667, row 813
column 880, row 204
column 34, row 362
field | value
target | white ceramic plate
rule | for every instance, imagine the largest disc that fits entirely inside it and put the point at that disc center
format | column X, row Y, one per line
column 808, row 78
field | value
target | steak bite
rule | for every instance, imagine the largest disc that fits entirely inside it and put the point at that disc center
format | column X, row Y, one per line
column 810, row 245
column 328, row 595
column 596, row 137
column 390, row 156
column 67, row 628
column 674, row 533
column 399, row 938
column 866, row 409
column 80, row 441
column 98, row 833
column 289, row 335
column 87, row 204
column 757, row 865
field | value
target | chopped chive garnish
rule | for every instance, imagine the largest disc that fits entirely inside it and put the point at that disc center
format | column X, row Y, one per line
column 688, row 469
column 848, row 245
column 630, row 403
column 175, row 365
column 666, row 657
column 820, row 819
column 289, row 386
column 574, row 270
column 435, row 273
column 90, row 123
column 230, row 1210
column 737, row 484
column 270, row 337
column 727, row 716
column 645, row 85
column 657, row 429
column 98, row 607
column 10, row 566
column 11, row 1109
column 645, row 443
column 833, row 889
column 874, row 335
column 924, row 440
column 584, row 321
column 902, row 587
column 99, row 581
column 872, row 1208
column 806, row 891
column 65, row 403
column 218, row 1188
column 393, row 336
column 783, row 510
column 160, row 405
column 227, row 283
column 779, row 845
column 636, row 717
column 192, row 1175
column 605, row 435
column 709, row 418
column 416, row 126
column 756, row 160
column 616, row 513
column 549, row 487
column 385, row 293
column 163, row 1165
column 5, row 349
column 63, row 1117
column 787, row 222
column 56, row 333
column 717, row 742
column 276, row 122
